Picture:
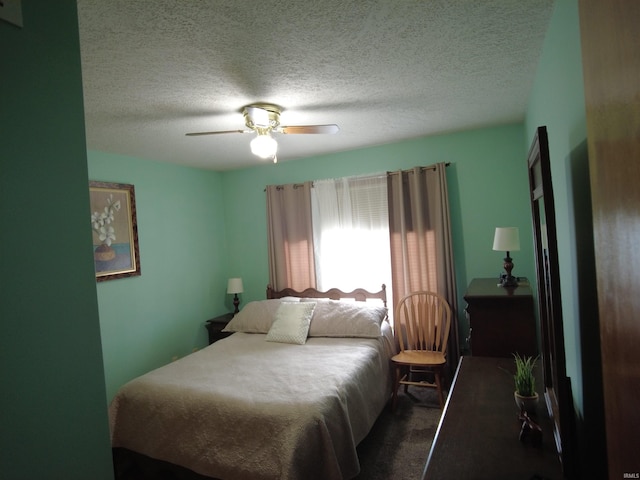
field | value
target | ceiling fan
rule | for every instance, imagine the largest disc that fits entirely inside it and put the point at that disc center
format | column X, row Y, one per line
column 264, row 119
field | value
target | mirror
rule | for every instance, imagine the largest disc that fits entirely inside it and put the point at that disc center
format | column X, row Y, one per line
column 557, row 386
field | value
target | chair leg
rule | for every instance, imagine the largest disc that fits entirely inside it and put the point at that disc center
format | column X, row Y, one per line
column 408, row 374
column 439, row 387
column 396, row 386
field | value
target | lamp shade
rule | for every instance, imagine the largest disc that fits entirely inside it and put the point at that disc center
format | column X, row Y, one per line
column 235, row 285
column 264, row 146
column 506, row 239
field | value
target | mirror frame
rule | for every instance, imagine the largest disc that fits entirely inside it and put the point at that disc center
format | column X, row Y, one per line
column 557, row 385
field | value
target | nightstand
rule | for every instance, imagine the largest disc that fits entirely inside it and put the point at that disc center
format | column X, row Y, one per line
column 215, row 326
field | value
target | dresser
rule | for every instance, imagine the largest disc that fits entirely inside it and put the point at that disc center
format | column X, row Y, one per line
column 501, row 320
column 478, row 434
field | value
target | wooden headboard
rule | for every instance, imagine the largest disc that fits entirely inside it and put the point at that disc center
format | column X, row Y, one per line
column 359, row 294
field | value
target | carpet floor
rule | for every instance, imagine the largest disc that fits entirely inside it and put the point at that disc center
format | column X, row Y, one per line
column 398, row 445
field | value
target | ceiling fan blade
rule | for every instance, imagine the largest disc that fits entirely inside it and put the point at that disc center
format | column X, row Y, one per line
column 195, row 134
column 309, row 129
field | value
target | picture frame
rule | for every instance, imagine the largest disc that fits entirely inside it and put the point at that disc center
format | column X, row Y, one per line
column 114, row 228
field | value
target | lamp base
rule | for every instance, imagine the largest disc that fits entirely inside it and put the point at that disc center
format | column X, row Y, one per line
column 236, row 302
column 508, row 281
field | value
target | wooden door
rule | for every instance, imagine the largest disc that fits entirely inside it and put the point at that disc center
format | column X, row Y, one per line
column 610, row 35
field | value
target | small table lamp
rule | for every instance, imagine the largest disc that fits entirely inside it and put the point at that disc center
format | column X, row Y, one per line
column 507, row 239
column 235, row 286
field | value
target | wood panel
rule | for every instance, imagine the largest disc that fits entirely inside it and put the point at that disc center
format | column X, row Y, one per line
column 611, row 62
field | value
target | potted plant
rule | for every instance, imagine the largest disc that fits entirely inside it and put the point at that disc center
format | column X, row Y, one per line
column 525, row 394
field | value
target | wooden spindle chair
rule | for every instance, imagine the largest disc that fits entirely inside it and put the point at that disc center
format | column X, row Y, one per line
column 422, row 321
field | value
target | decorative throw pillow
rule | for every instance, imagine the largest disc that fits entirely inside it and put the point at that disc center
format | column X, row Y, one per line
column 256, row 317
column 292, row 323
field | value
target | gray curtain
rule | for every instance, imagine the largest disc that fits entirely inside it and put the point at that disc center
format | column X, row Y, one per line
column 290, row 236
column 421, row 245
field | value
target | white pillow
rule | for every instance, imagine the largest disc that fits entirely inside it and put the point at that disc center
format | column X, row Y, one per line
column 292, row 323
column 256, row 317
column 335, row 318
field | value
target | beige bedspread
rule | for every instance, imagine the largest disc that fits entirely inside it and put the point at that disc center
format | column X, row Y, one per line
column 244, row 408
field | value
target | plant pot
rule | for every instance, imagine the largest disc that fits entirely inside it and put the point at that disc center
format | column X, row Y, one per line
column 528, row 404
column 104, row 253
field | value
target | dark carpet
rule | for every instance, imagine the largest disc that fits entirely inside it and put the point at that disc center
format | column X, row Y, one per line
column 398, row 445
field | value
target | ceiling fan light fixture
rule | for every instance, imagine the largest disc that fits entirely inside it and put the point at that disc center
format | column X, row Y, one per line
column 264, row 146
column 264, row 119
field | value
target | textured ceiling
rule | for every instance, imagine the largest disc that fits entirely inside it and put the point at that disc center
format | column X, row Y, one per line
column 384, row 71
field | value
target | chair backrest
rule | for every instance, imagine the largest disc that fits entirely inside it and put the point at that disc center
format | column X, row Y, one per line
column 422, row 321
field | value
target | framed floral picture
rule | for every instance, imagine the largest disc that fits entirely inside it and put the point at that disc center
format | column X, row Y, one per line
column 115, row 230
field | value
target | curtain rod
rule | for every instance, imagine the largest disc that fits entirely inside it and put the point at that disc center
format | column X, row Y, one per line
column 430, row 167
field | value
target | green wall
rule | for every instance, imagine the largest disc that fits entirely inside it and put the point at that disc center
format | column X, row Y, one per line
column 53, row 408
column 557, row 101
column 148, row 320
column 488, row 187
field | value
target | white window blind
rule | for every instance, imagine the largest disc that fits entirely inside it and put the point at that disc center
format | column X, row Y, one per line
column 351, row 233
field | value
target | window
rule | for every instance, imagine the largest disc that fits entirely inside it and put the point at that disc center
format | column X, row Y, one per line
column 339, row 233
column 351, row 233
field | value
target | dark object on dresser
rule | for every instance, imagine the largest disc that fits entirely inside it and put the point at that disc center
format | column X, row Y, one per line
column 530, row 430
column 215, row 326
column 502, row 320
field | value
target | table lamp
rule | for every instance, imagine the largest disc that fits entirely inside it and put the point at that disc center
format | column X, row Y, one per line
column 507, row 239
column 234, row 286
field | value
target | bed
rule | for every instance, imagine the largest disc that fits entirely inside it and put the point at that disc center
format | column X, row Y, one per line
column 289, row 395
